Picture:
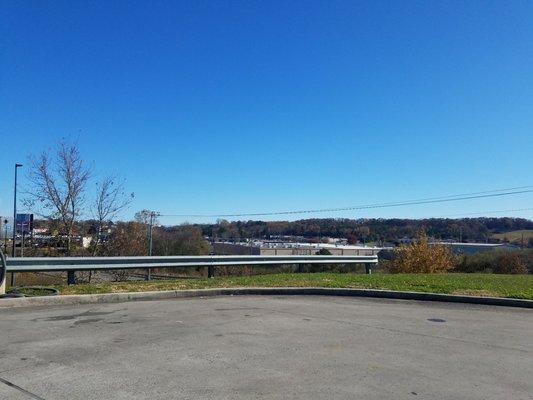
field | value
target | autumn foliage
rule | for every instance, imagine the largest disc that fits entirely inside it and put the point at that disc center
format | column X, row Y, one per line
column 422, row 257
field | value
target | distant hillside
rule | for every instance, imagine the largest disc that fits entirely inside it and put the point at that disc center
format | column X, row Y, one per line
column 372, row 230
column 515, row 236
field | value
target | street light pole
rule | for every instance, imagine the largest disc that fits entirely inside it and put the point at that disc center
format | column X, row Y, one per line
column 5, row 236
column 17, row 166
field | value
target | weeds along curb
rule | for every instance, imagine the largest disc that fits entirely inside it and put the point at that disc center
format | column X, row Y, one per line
column 282, row 291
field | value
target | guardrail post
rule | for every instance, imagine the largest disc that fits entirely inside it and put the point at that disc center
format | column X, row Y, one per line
column 71, row 278
column 149, row 274
column 211, row 271
column 3, row 273
column 368, row 268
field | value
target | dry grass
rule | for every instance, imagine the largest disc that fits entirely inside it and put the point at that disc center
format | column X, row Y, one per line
column 513, row 286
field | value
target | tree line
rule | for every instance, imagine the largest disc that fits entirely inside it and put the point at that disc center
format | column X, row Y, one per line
column 375, row 230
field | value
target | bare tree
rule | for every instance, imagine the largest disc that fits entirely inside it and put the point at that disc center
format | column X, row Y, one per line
column 109, row 201
column 145, row 216
column 57, row 185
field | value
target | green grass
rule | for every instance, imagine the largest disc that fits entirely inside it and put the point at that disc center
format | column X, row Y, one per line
column 515, row 236
column 514, row 286
column 30, row 291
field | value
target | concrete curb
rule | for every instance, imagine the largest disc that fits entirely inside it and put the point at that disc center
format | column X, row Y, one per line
column 281, row 291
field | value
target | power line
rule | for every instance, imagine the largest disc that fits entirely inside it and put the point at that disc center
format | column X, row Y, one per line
column 488, row 212
column 430, row 200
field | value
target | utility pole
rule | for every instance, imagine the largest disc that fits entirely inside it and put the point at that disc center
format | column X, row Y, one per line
column 150, row 241
column 17, row 166
column 152, row 215
column 22, row 243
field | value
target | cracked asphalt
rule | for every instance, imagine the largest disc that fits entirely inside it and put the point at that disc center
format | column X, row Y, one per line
column 262, row 347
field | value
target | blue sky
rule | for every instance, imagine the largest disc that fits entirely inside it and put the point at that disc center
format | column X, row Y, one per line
column 225, row 106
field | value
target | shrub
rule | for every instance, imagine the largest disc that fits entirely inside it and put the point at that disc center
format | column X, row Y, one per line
column 527, row 258
column 323, row 252
column 497, row 261
column 422, row 257
column 509, row 262
column 477, row 262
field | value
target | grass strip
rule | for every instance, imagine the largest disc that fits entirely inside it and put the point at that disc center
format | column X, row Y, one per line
column 511, row 286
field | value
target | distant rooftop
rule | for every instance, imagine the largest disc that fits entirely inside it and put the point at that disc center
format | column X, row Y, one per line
column 293, row 245
column 475, row 244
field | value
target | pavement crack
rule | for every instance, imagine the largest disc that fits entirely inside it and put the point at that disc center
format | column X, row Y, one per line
column 22, row 390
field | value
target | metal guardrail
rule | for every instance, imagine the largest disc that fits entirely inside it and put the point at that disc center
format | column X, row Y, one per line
column 38, row 264
column 71, row 264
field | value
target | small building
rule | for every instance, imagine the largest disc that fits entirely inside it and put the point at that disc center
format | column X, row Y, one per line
column 471, row 248
column 86, row 241
column 288, row 249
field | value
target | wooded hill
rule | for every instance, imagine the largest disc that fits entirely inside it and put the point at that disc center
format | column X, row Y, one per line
column 371, row 230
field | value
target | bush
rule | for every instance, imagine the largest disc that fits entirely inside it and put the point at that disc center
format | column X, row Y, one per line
column 323, row 252
column 497, row 261
column 509, row 262
column 477, row 262
column 421, row 257
column 527, row 258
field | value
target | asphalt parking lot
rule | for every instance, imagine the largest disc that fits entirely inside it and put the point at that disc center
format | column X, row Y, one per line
column 261, row 347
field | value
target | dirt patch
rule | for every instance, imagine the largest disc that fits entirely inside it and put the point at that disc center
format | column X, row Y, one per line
column 38, row 278
column 475, row 292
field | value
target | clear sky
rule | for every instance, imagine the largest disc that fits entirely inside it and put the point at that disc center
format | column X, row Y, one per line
column 226, row 106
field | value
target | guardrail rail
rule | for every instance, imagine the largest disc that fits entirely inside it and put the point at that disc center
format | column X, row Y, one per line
column 72, row 264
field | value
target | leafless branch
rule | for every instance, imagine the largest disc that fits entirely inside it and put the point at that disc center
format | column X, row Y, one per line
column 57, row 185
column 109, row 201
